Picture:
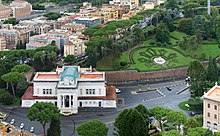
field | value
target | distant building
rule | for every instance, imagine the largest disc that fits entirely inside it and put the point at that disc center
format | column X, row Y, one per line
column 87, row 21
column 20, row 8
column 131, row 3
column 211, row 109
column 41, row 40
column 12, row 38
column 5, row 12
column 148, row 5
column 71, row 88
column 2, row 43
column 76, row 46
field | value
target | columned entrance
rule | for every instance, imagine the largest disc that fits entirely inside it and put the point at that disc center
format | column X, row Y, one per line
column 68, row 104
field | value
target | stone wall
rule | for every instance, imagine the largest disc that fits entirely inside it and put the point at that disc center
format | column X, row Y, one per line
column 134, row 77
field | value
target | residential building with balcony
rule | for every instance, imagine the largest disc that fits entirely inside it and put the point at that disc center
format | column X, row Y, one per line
column 71, row 88
column 5, row 12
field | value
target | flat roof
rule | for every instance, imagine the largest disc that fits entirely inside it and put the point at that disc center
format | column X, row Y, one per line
column 91, row 75
column 48, row 76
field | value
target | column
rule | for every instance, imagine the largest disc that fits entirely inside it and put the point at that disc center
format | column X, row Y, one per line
column 63, row 101
column 70, row 101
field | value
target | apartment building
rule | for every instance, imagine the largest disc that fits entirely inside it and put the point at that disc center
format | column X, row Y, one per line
column 87, row 21
column 131, row 3
column 211, row 109
column 76, row 46
column 2, row 43
column 12, row 37
column 5, row 12
column 20, row 8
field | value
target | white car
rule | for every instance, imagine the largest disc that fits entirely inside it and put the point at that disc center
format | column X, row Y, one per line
column 32, row 129
column 12, row 121
column 22, row 126
column 117, row 90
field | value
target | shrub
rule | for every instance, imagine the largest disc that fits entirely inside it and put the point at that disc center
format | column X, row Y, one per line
column 159, row 44
column 123, row 63
column 203, row 56
column 6, row 98
column 152, row 43
column 219, row 46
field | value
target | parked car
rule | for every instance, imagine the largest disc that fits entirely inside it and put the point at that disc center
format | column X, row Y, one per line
column 22, row 126
column 32, row 129
column 12, row 121
column 168, row 88
column 117, row 90
column 193, row 113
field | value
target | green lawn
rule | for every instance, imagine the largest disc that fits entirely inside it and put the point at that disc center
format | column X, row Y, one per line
column 145, row 61
column 178, row 35
column 183, row 107
column 209, row 49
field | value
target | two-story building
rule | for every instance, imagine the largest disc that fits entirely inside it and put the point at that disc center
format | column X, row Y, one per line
column 71, row 87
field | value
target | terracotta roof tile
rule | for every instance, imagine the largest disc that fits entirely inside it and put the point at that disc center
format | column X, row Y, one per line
column 28, row 95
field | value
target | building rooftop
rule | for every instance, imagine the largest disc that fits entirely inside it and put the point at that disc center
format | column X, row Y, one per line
column 48, row 76
column 213, row 93
column 91, row 75
column 70, row 72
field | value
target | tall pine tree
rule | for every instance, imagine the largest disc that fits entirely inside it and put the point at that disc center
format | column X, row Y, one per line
column 212, row 71
column 55, row 129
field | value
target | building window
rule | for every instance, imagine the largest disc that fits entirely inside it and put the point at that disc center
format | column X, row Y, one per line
column 215, row 126
column 215, row 116
column 215, row 107
column 208, row 105
column 44, row 92
column 87, row 91
column 208, row 123
column 80, row 91
column 208, row 114
column 100, row 91
column 55, row 103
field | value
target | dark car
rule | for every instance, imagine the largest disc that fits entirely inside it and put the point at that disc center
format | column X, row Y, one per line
column 168, row 88
column 193, row 113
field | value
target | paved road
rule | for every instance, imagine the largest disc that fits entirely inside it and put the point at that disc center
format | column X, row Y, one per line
column 165, row 98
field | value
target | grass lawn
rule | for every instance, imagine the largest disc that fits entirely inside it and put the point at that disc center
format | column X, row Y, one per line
column 178, row 35
column 209, row 49
column 143, row 59
column 15, row 103
column 183, row 107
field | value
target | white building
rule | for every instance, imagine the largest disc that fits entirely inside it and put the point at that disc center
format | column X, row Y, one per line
column 71, row 87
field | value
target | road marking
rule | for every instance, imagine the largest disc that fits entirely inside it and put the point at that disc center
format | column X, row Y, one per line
column 110, row 122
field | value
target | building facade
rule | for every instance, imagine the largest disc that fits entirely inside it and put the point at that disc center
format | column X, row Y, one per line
column 5, row 12
column 12, row 38
column 2, row 43
column 88, row 21
column 69, row 88
column 20, row 8
column 211, row 109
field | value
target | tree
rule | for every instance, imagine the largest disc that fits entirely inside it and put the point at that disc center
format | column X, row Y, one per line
column 190, row 9
column 212, row 70
column 21, row 68
column 44, row 113
column 185, row 25
column 5, row 97
column 130, row 122
column 92, row 128
column 218, row 28
column 52, row 15
column 145, row 113
column 55, row 129
column 198, row 131
column 190, row 123
column 159, row 112
column 69, row 59
column 171, row 133
column 197, row 74
column 13, row 78
column 196, row 103
column 12, row 21
column 199, row 120
column 162, row 33
column 176, row 117
column 172, row 4
column 208, row 133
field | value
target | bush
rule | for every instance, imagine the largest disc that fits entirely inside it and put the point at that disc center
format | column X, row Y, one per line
column 219, row 46
column 123, row 63
column 152, row 43
column 203, row 56
column 159, row 44
column 195, row 103
column 6, row 98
